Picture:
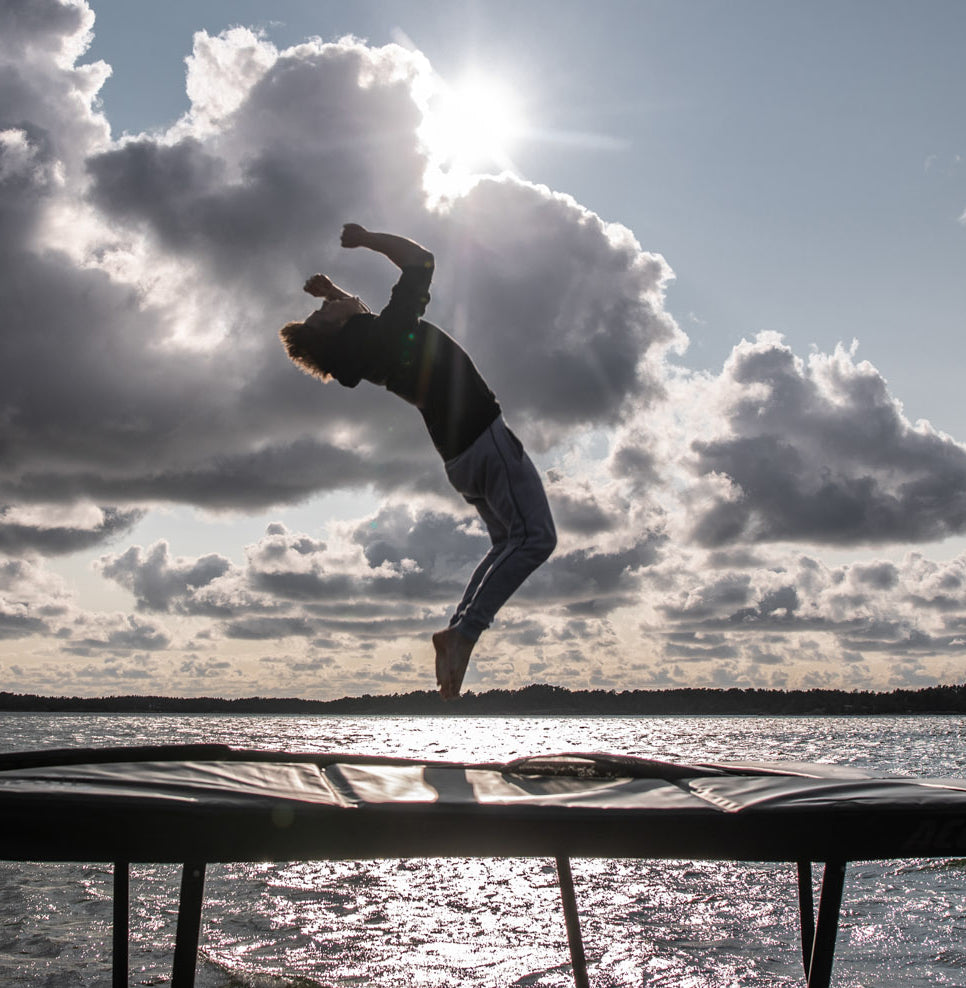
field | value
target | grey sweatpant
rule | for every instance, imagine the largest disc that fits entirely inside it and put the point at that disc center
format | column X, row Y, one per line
column 497, row 477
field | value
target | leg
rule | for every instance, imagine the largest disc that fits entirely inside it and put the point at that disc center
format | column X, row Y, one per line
column 572, row 919
column 453, row 651
column 806, row 909
column 829, row 904
column 122, row 910
column 453, row 646
column 504, row 485
column 497, row 476
column 499, row 534
column 189, row 926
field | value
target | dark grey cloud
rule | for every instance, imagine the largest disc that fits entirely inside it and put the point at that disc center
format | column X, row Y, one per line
column 632, row 461
column 115, row 672
column 405, row 557
column 19, row 622
column 907, row 641
column 764, row 657
column 211, row 669
column 158, row 582
column 60, row 539
column 120, row 637
column 820, row 451
column 268, row 628
column 287, row 472
column 690, row 646
column 881, row 576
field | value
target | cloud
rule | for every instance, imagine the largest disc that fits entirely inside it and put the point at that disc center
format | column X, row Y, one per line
column 819, row 451
column 389, row 564
column 16, row 621
column 578, row 507
column 267, row 628
column 213, row 669
column 143, row 280
column 572, row 306
column 118, row 634
column 397, row 574
column 156, row 580
column 802, row 612
column 146, row 279
column 52, row 530
column 32, row 600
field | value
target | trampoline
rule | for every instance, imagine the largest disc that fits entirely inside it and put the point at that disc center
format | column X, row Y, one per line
column 195, row 805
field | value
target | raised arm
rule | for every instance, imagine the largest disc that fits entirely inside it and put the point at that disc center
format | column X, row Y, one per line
column 404, row 253
column 322, row 286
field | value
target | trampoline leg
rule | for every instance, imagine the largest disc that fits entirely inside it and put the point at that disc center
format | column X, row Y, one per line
column 830, row 902
column 577, row 958
column 122, row 895
column 806, row 909
column 189, row 926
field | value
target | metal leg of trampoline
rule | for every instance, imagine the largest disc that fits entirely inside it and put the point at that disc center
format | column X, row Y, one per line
column 806, row 909
column 818, row 938
column 189, row 926
column 577, row 958
column 122, row 895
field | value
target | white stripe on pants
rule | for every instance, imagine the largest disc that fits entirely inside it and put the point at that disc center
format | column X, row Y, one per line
column 496, row 476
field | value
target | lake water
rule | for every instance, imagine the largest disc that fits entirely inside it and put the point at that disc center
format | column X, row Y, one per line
column 496, row 922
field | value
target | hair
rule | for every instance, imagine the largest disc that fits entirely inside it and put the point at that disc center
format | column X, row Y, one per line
column 307, row 347
column 311, row 346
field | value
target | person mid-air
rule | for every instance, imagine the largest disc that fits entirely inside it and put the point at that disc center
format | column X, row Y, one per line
column 485, row 462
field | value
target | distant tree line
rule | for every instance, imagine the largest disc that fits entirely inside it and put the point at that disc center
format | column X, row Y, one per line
column 536, row 700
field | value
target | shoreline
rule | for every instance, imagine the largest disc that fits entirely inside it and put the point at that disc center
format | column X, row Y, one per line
column 534, row 701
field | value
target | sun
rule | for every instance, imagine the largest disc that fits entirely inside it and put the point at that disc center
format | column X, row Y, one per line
column 472, row 127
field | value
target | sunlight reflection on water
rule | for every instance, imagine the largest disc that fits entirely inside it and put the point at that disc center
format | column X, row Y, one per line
column 460, row 923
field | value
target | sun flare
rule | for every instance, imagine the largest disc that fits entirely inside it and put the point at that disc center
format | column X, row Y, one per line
column 472, row 127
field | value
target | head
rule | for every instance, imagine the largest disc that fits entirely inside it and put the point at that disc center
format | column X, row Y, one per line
column 335, row 313
column 308, row 343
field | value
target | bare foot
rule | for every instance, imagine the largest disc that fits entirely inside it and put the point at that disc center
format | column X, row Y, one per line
column 452, row 657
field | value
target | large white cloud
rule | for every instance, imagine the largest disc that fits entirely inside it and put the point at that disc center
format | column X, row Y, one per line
column 140, row 360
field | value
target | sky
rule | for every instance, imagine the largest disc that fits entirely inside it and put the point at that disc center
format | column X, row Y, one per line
column 709, row 256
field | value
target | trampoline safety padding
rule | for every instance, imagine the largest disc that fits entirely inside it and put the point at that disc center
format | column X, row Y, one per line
column 196, row 805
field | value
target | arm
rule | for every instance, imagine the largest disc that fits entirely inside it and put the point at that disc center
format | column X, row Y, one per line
column 322, row 286
column 404, row 253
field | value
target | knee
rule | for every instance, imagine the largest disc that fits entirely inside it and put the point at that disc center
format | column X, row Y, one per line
column 545, row 543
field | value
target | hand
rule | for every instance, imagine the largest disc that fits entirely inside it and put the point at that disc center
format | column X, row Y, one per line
column 319, row 285
column 354, row 235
